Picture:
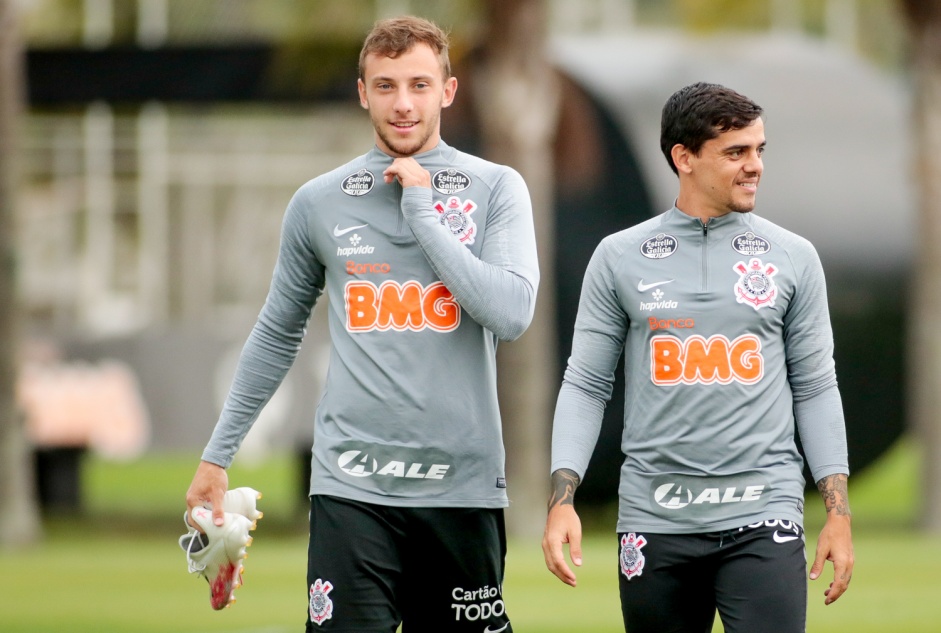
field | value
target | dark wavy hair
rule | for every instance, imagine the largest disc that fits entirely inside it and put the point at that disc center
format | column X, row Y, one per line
column 699, row 113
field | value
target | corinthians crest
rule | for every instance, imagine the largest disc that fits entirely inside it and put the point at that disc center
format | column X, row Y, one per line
column 321, row 606
column 755, row 285
column 455, row 215
column 632, row 559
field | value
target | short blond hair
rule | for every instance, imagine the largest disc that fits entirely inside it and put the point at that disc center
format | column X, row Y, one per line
column 395, row 36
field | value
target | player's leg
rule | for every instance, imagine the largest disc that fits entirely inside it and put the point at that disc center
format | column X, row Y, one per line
column 761, row 584
column 354, row 567
column 666, row 583
column 454, row 571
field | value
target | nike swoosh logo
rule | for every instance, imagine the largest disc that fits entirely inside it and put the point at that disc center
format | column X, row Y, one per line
column 783, row 539
column 338, row 232
column 645, row 287
column 502, row 628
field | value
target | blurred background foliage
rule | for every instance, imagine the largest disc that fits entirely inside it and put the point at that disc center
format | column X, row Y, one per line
column 873, row 27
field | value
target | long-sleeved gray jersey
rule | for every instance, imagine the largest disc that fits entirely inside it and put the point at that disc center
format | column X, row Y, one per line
column 422, row 283
column 726, row 336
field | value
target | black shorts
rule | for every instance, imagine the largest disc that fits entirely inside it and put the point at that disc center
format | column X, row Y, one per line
column 371, row 567
column 755, row 576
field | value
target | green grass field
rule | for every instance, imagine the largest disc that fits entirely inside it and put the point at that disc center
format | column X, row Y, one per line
column 117, row 567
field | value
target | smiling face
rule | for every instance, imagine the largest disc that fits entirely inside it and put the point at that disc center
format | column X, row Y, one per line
column 723, row 176
column 404, row 96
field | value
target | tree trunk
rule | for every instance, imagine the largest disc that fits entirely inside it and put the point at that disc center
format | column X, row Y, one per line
column 19, row 516
column 924, row 368
column 517, row 99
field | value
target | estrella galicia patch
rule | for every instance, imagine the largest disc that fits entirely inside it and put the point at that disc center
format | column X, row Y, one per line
column 450, row 181
column 659, row 246
column 750, row 244
column 358, row 184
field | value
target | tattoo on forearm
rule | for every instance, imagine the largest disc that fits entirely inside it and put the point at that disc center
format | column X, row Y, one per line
column 564, row 483
column 835, row 496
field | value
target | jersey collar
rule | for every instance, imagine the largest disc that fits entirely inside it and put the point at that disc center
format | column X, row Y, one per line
column 678, row 217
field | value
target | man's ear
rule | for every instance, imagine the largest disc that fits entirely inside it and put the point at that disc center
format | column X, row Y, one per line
column 681, row 158
column 361, row 88
column 450, row 89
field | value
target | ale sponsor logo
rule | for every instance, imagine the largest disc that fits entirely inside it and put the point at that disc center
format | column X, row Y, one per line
column 687, row 493
column 361, row 461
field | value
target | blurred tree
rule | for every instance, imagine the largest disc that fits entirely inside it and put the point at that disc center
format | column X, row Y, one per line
column 709, row 15
column 924, row 20
column 517, row 101
column 19, row 520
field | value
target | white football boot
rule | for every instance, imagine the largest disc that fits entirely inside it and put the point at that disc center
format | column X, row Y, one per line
column 242, row 501
column 217, row 553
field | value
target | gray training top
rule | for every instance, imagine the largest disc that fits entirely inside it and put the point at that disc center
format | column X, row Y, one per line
column 422, row 284
column 726, row 336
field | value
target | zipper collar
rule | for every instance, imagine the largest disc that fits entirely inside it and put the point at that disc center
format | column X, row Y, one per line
column 678, row 217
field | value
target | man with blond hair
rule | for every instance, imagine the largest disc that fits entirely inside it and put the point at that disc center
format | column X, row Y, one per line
column 429, row 257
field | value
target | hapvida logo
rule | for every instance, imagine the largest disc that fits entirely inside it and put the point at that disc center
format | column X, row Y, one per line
column 650, row 306
column 355, row 248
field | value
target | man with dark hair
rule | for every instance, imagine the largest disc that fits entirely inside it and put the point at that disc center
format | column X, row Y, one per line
column 429, row 257
column 723, row 321
column 699, row 113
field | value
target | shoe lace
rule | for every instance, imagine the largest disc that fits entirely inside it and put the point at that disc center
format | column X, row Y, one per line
column 194, row 544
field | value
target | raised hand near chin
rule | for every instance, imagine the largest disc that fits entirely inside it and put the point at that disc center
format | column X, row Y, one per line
column 408, row 172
